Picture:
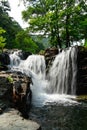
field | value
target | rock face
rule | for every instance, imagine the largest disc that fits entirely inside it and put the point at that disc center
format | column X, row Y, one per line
column 82, row 71
column 24, row 55
column 50, row 54
column 15, row 91
column 4, row 59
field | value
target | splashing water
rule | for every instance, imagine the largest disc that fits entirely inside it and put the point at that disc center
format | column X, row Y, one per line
column 62, row 76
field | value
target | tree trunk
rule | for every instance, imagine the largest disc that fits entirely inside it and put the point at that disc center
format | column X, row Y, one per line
column 59, row 41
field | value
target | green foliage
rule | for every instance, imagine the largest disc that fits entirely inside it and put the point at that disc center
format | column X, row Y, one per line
column 42, row 52
column 2, row 39
column 64, row 21
column 8, row 24
column 25, row 42
column 85, row 43
column 42, row 42
column 10, row 79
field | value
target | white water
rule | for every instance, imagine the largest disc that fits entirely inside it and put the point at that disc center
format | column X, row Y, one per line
column 62, row 76
column 14, row 59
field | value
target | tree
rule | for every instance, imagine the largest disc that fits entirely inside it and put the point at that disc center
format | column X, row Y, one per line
column 61, row 20
column 25, row 42
column 2, row 39
column 8, row 24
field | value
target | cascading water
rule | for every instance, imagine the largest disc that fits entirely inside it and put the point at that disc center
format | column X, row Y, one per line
column 14, row 59
column 62, row 75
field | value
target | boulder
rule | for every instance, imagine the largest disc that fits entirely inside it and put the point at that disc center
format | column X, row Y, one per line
column 15, row 91
column 51, row 52
column 24, row 55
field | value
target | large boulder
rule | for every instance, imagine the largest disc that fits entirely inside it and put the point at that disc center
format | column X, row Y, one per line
column 15, row 91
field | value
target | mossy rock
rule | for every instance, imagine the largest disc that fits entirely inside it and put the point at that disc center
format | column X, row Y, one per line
column 82, row 48
column 82, row 98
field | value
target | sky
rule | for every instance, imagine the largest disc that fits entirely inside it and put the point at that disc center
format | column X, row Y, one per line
column 16, row 12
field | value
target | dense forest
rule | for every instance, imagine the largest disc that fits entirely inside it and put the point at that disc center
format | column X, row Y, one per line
column 57, row 22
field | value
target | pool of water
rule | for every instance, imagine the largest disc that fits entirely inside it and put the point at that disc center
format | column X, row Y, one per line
column 61, row 116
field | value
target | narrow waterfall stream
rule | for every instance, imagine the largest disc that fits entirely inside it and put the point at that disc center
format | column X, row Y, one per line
column 53, row 104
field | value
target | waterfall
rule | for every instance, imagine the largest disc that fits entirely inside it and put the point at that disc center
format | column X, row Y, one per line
column 14, row 59
column 61, row 76
column 36, row 64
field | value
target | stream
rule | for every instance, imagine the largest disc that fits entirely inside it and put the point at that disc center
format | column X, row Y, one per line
column 58, row 116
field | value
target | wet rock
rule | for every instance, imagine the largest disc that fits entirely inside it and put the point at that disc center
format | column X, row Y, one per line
column 51, row 52
column 24, row 55
column 22, row 96
column 4, row 59
column 82, row 98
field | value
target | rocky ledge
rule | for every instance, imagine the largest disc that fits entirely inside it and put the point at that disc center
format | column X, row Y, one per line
column 15, row 102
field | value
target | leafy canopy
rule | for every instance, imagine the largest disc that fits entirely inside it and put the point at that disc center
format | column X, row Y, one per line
column 25, row 42
column 64, row 21
column 2, row 39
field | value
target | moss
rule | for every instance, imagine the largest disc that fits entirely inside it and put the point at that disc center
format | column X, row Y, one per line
column 41, row 52
column 82, row 48
column 10, row 79
column 82, row 98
